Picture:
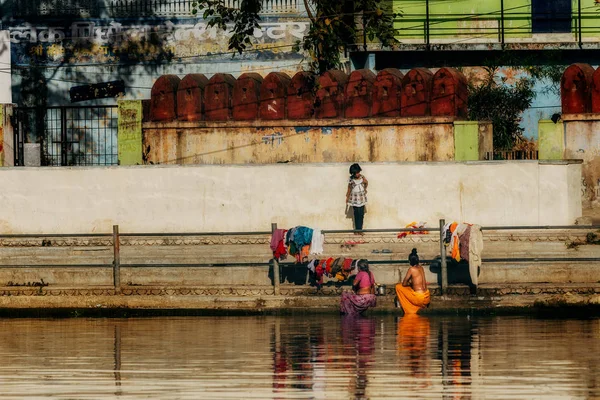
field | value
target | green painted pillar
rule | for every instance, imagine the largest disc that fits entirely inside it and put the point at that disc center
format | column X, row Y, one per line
column 466, row 141
column 130, row 132
column 551, row 140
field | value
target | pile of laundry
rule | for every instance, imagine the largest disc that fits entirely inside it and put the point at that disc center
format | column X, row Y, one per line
column 299, row 242
column 338, row 268
column 414, row 225
column 466, row 243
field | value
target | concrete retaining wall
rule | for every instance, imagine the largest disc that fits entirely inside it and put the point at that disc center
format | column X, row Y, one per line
column 316, row 141
column 250, row 198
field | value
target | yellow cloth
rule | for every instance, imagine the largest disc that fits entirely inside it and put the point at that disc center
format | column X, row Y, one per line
column 410, row 300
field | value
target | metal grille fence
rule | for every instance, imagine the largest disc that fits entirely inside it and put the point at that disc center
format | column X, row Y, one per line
column 56, row 8
column 186, row 8
column 72, row 135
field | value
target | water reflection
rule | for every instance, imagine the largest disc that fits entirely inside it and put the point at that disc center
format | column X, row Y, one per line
column 300, row 357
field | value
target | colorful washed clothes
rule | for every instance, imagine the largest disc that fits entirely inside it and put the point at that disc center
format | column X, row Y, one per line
column 280, row 252
column 414, row 225
column 463, row 239
column 364, row 279
column 347, row 265
column 277, row 236
column 410, row 300
column 355, row 304
column 302, row 236
column 358, row 194
column 475, row 249
column 318, row 239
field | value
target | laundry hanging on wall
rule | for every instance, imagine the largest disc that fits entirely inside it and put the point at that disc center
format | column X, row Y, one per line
column 466, row 243
column 299, row 242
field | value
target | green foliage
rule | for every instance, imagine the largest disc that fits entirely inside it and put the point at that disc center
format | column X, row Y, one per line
column 503, row 105
column 244, row 19
column 335, row 26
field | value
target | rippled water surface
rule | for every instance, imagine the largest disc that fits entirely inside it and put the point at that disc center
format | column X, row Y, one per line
column 300, row 357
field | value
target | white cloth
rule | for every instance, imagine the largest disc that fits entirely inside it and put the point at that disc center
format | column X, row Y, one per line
column 312, row 265
column 475, row 250
column 318, row 239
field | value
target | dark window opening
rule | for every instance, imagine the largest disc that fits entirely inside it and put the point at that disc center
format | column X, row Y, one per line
column 551, row 16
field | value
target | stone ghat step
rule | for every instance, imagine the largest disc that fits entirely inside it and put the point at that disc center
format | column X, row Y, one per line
column 261, row 253
column 302, row 290
column 261, row 299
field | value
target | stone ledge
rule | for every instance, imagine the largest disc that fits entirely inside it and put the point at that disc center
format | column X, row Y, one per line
column 530, row 235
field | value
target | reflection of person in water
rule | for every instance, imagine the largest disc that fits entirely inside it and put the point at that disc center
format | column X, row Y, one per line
column 412, row 292
column 413, row 340
column 358, row 335
column 455, row 340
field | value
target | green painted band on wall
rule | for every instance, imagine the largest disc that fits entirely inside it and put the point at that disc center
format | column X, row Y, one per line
column 551, row 142
column 130, row 132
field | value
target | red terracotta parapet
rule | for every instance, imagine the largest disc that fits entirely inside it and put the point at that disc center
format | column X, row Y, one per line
column 576, row 89
column 190, row 97
column 217, row 97
column 273, row 94
column 596, row 92
column 301, row 96
column 449, row 94
column 330, row 94
column 387, row 91
column 163, row 98
column 246, row 96
column 359, row 94
column 416, row 93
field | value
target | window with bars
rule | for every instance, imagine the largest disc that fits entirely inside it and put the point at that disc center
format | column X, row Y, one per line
column 551, row 16
column 173, row 8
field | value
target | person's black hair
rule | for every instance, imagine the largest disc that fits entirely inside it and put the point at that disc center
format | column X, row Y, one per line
column 413, row 258
column 354, row 168
column 363, row 265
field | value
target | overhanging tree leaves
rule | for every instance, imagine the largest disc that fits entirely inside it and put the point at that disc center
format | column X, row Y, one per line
column 503, row 105
column 335, row 26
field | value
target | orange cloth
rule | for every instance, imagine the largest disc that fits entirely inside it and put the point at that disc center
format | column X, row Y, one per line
column 413, row 225
column 410, row 300
column 413, row 340
column 455, row 242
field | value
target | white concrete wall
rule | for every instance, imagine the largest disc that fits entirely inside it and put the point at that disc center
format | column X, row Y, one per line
column 250, row 198
column 5, row 69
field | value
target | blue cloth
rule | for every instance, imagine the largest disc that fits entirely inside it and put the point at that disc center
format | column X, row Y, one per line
column 302, row 236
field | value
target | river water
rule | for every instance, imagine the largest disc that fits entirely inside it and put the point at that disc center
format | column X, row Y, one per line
column 300, row 357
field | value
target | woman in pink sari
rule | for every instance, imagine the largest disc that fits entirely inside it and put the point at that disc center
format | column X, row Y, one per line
column 364, row 292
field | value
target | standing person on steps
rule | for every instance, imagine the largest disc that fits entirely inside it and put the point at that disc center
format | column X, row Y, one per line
column 356, row 196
